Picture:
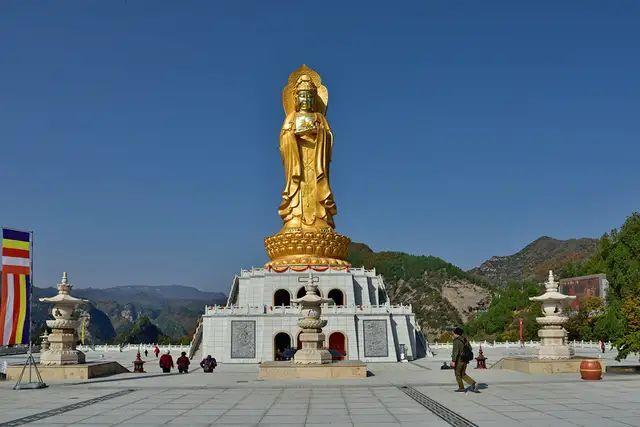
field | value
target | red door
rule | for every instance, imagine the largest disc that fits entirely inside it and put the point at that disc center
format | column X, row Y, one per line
column 337, row 343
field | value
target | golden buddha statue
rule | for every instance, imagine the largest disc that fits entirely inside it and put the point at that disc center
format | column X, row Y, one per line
column 307, row 208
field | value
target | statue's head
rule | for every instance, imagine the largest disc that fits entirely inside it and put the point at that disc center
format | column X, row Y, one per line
column 305, row 93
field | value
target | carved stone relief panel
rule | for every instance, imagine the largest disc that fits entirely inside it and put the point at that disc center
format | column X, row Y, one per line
column 243, row 339
column 375, row 338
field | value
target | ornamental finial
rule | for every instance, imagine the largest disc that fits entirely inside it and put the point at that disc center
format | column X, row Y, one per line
column 64, row 286
column 551, row 283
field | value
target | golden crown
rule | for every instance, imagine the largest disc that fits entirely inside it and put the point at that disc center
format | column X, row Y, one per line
column 305, row 83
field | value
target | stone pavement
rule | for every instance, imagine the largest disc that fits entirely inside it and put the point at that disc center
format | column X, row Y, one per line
column 233, row 395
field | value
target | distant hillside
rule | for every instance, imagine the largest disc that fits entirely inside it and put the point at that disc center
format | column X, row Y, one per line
column 100, row 326
column 174, row 309
column 151, row 294
column 535, row 260
column 442, row 294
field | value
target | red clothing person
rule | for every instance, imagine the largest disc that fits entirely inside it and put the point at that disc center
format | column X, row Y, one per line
column 166, row 362
column 183, row 363
column 156, row 350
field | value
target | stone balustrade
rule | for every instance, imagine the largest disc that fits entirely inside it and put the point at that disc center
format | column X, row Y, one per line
column 177, row 349
column 174, row 348
column 260, row 271
column 296, row 310
column 517, row 344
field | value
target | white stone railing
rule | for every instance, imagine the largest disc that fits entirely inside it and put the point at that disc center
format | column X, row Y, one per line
column 260, row 271
column 296, row 310
column 517, row 344
column 134, row 347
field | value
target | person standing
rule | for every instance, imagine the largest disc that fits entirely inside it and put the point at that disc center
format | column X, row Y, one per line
column 146, row 352
column 602, row 346
column 156, row 351
column 208, row 364
column 183, row 363
column 461, row 355
column 166, row 362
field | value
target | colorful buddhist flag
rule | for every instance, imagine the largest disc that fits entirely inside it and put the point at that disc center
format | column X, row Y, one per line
column 15, row 287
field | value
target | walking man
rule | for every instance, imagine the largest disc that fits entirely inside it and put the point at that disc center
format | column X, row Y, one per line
column 461, row 355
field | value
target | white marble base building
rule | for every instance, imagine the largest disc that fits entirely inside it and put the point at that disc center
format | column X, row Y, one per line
column 259, row 322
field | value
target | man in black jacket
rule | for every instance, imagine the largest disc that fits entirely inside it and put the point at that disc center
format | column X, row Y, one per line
column 459, row 361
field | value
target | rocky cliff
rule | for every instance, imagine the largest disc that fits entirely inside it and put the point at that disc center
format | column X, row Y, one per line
column 174, row 309
column 442, row 295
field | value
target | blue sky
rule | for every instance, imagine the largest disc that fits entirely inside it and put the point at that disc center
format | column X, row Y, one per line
column 139, row 138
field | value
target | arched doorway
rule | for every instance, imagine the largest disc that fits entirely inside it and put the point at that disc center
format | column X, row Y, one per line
column 338, row 346
column 302, row 292
column 281, row 297
column 337, row 296
column 281, row 342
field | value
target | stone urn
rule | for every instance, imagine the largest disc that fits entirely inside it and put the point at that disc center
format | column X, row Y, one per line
column 62, row 339
column 311, row 337
column 553, row 337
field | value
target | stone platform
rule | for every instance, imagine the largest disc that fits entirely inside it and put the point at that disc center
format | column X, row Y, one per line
column 344, row 369
column 537, row 366
column 628, row 369
column 70, row 372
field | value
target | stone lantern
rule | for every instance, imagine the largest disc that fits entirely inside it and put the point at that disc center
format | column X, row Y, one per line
column 553, row 339
column 312, row 338
column 62, row 339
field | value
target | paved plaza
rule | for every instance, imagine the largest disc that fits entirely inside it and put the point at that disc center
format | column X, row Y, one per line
column 415, row 393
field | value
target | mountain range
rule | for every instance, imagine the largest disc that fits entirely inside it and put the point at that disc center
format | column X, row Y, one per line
column 175, row 309
column 535, row 260
column 442, row 294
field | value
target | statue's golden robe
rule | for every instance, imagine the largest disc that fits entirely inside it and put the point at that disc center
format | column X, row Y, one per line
column 307, row 199
column 307, row 208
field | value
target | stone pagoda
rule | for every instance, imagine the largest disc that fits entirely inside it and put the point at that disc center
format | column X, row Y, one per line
column 311, row 337
column 61, row 348
column 553, row 337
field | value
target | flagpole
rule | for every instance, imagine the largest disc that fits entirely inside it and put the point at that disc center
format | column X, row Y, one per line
column 30, row 299
column 30, row 360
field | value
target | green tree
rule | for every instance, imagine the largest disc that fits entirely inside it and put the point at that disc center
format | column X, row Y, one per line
column 618, row 256
column 508, row 305
column 629, row 340
column 142, row 331
column 582, row 323
column 621, row 256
